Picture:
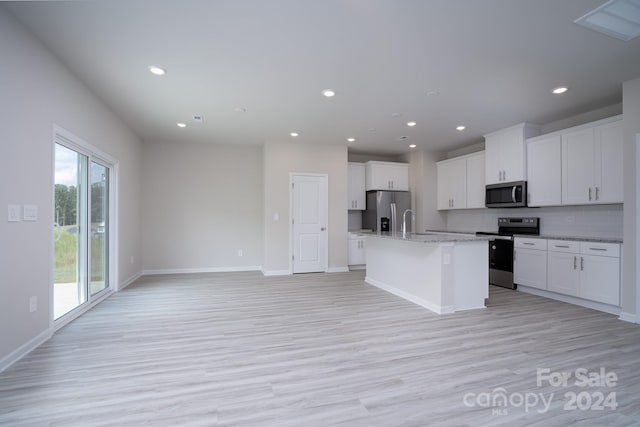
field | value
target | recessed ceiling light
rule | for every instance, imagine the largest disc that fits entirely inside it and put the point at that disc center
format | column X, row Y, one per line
column 294, row 134
column 559, row 90
column 157, row 70
column 412, row 146
column 182, row 125
column 461, row 127
column 351, row 139
column 329, row 93
column 411, row 124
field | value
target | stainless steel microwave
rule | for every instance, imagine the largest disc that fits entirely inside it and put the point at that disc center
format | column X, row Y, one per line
column 506, row 195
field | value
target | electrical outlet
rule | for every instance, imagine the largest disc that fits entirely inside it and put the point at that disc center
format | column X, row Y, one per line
column 13, row 214
column 33, row 304
column 240, row 252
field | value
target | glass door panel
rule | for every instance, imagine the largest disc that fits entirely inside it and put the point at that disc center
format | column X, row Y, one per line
column 99, row 227
column 70, row 243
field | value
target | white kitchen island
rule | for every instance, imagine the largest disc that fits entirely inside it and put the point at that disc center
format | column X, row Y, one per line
column 442, row 272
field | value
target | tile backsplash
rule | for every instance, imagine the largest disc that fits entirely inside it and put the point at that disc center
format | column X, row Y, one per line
column 580, row 221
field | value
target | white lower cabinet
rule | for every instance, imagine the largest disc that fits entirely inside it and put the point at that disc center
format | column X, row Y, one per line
column 588, row 270
column 600, row 274
column 530, row 262
column 357, row 249
column 563, row 267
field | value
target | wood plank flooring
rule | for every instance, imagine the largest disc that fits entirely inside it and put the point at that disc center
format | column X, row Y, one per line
column 240, row 349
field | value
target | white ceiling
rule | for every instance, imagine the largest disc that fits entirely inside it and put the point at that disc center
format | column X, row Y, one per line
column 493, row 62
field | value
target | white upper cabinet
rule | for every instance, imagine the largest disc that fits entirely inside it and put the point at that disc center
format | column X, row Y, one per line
column 544, row 171
column 356, row 200
column 592, row 159
column 460, row 182
column 452, row 184
column 506, row 153
column 475, row 180
column 387, row 176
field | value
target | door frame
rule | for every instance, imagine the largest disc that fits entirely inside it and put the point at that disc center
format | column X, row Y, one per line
column 326, row 179
column 68, row 139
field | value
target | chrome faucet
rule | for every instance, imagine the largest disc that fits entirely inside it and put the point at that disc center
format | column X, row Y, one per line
column 404, row 221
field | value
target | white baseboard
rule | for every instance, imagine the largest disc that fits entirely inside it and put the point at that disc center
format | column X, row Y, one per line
column 129, row 281
column 25, row 349
column 202, row 270
column 357, row 267
column 438, row 309
column 571, row 300
column 276, row 272
column 628, row 317
column 338, row 270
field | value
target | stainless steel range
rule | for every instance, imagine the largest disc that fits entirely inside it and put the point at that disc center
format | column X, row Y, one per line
column 501, row 247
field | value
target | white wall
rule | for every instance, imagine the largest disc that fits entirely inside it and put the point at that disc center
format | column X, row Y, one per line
column 201, row 204
column 423, row 186
column 282, row 158
column 36, row 92
column 631, row 120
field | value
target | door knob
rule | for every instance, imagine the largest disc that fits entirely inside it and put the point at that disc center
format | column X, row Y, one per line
column 323, row 229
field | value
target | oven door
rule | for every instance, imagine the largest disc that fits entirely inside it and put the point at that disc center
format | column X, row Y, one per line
column 501, row 263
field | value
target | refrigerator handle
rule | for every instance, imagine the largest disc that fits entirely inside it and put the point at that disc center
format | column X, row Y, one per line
column 392, row 226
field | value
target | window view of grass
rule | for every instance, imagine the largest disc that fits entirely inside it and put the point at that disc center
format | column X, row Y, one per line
column 66, row 255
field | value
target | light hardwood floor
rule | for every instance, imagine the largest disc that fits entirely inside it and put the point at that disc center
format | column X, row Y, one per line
column 316, row 350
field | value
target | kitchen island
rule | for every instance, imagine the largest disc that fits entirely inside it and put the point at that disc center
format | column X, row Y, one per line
column 442, row 272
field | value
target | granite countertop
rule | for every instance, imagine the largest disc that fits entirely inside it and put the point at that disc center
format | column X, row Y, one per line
column 575, row 238
column 430, row 237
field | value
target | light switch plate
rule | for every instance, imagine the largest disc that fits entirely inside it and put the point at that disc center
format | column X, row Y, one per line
column 13, row 213
column 30, row 213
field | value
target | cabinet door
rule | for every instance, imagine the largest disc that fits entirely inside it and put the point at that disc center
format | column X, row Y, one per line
column 443, row 173
column 513, row 156
column 609, row 159
column 530, row 268
column 544, row 171
column 451, row 185
column 578, row 162
column 356, row 252
column 563, row 273
column 493, row 159
column 356, row 199
column 475, row 181
column 600, row 279
column 399, row 177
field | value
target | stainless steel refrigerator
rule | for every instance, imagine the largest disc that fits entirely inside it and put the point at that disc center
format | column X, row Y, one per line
column 379, row 210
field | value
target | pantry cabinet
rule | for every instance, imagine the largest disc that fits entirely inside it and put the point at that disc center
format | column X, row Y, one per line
column 460, row 182
column 592, row 161
column 387, row 176
column 356, row 188
column 506, row 153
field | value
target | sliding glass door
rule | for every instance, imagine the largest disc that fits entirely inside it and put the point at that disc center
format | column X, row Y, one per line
column 81, row 235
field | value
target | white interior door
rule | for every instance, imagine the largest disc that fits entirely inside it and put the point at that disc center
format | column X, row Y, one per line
column 309, row 223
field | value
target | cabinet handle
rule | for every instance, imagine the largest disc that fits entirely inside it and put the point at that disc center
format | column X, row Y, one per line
column 581, row 264
column 561, row 246
column 528, row 243
column 575, row 262
column 504, row 175
column 598, row 249
column 589, row 193
column 597, row 195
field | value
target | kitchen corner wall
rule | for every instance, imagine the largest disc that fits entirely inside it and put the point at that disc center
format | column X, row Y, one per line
column 37, row 91
column 282, row 158
column 202, row 207
column 423, row 185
